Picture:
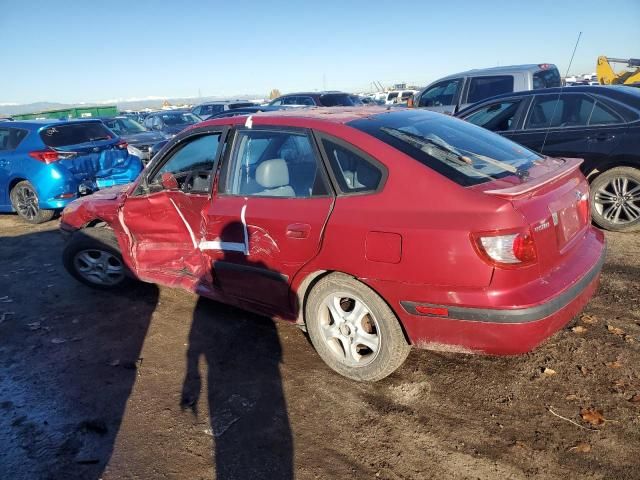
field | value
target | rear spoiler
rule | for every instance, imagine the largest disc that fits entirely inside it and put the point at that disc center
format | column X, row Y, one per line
column 571, row 164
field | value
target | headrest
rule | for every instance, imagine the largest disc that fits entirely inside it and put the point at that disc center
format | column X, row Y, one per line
column 272, row 173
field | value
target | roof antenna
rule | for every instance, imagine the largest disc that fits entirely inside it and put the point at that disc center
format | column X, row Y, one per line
column 555, row 106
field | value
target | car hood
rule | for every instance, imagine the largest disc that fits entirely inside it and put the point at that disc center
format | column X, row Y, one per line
column 144, row 138
column 110, row 193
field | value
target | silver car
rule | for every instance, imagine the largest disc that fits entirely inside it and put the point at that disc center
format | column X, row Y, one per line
column 454, row 92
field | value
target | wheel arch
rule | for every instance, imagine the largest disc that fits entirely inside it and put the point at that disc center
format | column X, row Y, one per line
column 596, row 172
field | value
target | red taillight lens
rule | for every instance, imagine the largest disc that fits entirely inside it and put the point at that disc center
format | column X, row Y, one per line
column 583, row 208
column 410, row 102
column 545, row 66
column 506, row 249
column 122, row 145
column 45, row 156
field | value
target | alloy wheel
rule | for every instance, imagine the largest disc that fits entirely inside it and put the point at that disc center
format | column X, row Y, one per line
column 349, row 329
column 99, row 267
column 618, row 200
column 26, row 202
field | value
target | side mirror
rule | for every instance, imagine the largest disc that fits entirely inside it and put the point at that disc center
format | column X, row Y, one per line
column 168, row 181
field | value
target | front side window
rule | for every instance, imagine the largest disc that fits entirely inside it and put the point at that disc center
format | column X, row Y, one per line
column 486, row 87
column 352, row 171
column 10, row 138
column 441, row 94
column 273, row 163
column 189, row 168
column 555, row 111
column 497, row 117
column 456, row 149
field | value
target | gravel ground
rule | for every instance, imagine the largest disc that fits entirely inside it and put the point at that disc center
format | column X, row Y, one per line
column 156, row 383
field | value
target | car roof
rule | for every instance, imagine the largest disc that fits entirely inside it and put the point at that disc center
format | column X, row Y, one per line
column 323, row 92
column 50, row 121
column 335, row 115
column 224, row 102
column 529, row 67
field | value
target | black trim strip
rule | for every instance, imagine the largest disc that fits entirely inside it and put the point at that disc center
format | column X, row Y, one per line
column 250, row 269
column 518, row 315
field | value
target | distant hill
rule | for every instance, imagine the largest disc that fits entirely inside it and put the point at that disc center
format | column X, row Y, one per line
column 132, row 104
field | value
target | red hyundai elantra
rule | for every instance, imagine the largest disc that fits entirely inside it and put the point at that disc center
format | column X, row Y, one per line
column 374, row 229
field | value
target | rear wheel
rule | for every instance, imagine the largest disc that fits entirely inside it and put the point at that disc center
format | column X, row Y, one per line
column 24, row 200
column 93, row 257
column 615, row 199
column 353, row 330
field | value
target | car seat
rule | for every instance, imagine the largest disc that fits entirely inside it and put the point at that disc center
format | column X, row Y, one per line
column 273, row 176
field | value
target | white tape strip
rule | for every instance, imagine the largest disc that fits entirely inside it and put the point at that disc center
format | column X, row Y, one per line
column 222, row 246
column 184, row 220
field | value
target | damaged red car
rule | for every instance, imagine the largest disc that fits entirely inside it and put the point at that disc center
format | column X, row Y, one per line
column 375, row 230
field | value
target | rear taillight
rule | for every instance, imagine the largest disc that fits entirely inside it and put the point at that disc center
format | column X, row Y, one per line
column 45, row 156
column 583, row 208
column 122, row 145
column 545, row 66
column 506, row 249
column 410, row 102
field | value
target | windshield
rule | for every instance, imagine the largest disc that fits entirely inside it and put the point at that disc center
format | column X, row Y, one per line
column 124, row 126
column 336, row 100
column 179, row 118
column 462, row 152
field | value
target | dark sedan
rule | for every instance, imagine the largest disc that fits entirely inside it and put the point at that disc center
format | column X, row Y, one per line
column 138, row 138
column 597, row 123
column 315, row 99
column 170, row 122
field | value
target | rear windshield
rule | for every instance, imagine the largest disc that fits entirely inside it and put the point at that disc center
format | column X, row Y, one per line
column 336, row 100
column 179, row 118
column 460, row 151
column 547, row 79
column 241, row 105
column 74, row 134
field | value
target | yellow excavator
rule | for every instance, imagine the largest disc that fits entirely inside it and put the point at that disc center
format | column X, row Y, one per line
column 607, row 76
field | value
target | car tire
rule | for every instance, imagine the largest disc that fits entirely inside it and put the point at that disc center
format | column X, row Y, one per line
column 92, row 256
column 24, row 200
column 353, row 330
column 615, row 199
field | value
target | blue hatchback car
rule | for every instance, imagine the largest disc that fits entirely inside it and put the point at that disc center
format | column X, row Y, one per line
column 45, row 164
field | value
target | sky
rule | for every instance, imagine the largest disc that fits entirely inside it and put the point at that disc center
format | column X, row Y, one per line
column 83, row 51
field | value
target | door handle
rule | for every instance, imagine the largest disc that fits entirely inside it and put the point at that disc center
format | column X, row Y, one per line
column 3, row 162
column 601, row 137
column 298, row 230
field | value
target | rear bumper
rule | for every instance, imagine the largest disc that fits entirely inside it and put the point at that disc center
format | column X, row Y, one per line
column 502, row 331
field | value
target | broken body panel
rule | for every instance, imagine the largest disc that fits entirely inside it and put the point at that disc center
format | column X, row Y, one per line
column 409, row 241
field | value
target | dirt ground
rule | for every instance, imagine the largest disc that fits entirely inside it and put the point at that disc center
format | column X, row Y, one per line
column 156, row 383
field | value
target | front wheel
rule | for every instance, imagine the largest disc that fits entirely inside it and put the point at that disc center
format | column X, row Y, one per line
column 93, row 257
column 353, row 330
column 24, row 200
column 615, row 199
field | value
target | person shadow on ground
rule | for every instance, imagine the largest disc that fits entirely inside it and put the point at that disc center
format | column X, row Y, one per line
column 247, row 408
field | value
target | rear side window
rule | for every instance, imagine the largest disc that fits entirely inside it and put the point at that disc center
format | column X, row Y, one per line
column 485, row 87
column 351, row 170
column 74, row 134
column 546, row 79
column 335, row 100
column 569, row 110
column 602, row 115
column 10, row 138
column 496, row 117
